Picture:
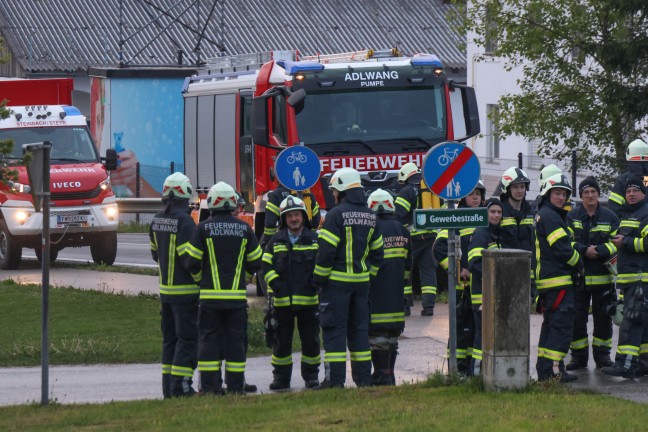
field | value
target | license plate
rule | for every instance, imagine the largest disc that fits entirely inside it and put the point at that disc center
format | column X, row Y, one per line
column 71, row 219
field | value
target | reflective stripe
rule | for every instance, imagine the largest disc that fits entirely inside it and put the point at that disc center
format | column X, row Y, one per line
column 281, row 301
column 626, row 278
column 348, row 257
column 335, row 357
column 270, row 276
column 578, row 224
column 476, row 354
column 305, row 300
column 428, row 289
column 574, row 259
column 194, row 252
column 179, row 289
column 376, row 244
column 278, row 247
column 404, row 203
column 628, row 350
column 396, row 253
column 554, row 282
column 234, row 366
column 551, row 354
column 322, row 271
column 507, row 221
column 556, row 235
column 298, row 247
column 210, row 294
column 407, row 289
column 166, row 369
column 625, row 223
column 182, row 371
column 209, row 366
column 213, row 265
column 643, row 349
column 444, row 263
column 387, row 317
column 329, row 237
column 269, row 232
column 527, row 221
column 616, row 198
column 601, row 227
column 359, row 356
column 281, row 361
column 349, row 277
column 474, row 253
column 267, row 258
column 255, row 254
column 273, row 208
column 476, row 299
column 311, row 360
column 598, row 280
column 638, row 244
column 171, row 259
column 606, row 343
column 579, row 344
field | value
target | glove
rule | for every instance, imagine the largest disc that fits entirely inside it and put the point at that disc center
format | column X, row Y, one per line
column 634, row 304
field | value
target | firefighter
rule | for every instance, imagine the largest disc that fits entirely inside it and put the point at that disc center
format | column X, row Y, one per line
column 350, row 250
column 169, row 234
column 465, row 324
column 593, row 227
column 517, row 216
column 272, row 214
column 386, row 293
column 406, row 202
column 288, row 265
column 632, row 243
column 222, row 252
column 482, row 238
column 637, row 164
column 558, row 269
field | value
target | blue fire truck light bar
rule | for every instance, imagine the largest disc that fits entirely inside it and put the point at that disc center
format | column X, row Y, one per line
column 70, row 110
column 292, row 67
column 426, row 60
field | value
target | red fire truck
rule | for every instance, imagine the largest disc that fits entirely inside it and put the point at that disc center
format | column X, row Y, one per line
column 83, row 207
column 373, row 111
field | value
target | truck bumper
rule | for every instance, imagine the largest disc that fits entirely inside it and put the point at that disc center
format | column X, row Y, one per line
column 23, row 221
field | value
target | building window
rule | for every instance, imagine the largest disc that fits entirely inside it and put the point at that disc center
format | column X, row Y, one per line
column 535, row 160
column 492, row 136
column 490, row 38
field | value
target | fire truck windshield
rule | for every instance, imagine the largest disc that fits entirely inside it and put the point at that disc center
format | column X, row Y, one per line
column 381, row 118
column 69, row 144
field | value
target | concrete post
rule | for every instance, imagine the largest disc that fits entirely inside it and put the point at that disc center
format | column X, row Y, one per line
column 505, row 318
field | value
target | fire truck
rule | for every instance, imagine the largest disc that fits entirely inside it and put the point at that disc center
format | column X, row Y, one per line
column 83, row 207
column 370, row 110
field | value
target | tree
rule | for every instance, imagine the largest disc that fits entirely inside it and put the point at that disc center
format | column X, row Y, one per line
column 6, row 146
column 585, row 73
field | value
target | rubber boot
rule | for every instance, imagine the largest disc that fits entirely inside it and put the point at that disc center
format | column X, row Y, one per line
column 281, row 377
column 166, row 386
column 393, row 353
column 544, row 368
column 211, row 382
column 181, row 386
column 360, row 373
column 380, row 361
column 235, row 383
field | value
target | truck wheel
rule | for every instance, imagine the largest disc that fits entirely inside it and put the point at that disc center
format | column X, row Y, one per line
column 10, row 249
column 104, row 247
column 53, row 254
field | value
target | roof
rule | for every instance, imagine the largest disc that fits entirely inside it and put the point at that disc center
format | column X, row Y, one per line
column 73, row 35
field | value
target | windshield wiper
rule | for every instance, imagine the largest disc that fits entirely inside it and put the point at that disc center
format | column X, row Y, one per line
column 363, row 143
column 415, row 147
column 68, row 160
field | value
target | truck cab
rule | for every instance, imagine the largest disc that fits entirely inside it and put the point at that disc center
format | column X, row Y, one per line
column 83, row 206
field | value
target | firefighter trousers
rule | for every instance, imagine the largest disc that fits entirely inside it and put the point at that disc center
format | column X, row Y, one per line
column 602, row 335
column 344, row 317
column 308, row 328
column 632, row 350
column 423, row 259
column 221, row 337
column 476, row 352
column 465, row 330
column 179, row 338
column 556, row 331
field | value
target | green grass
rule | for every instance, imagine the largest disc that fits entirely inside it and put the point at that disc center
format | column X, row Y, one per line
column 88, row 327
column 133, row 227
column 422, row 407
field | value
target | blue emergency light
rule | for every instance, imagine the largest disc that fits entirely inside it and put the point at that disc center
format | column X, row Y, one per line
column 426, row 60
column 70, row 110
column 293, row 67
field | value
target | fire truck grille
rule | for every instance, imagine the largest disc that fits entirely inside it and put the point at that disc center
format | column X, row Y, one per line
column 61, row 196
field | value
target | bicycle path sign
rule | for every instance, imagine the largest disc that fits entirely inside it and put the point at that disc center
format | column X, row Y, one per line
column 298, row 168
column 451, row 170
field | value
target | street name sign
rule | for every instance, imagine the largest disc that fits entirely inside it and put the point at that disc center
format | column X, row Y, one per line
column 451, row 218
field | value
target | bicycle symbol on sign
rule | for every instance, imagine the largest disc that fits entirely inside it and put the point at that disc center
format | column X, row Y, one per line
column 448, row 156
column 296, row 157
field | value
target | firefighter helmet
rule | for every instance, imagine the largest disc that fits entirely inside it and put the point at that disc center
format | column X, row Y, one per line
column 514, row 175
column 177, row 185
column 381, row 201
column 556, row 181
column 481, row 187
column 637, row 151
column 345, row 179
column 222, row 196
column 407, row 171
column 291, row 203
column 547, row 172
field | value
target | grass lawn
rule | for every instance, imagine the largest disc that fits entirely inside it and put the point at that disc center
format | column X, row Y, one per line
column 422, row 407
column 88, row 327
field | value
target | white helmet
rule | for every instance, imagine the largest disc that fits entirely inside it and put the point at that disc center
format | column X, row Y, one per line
column 514, row 175
column 637, row 151
column 291, row 203
column 547, row 172
column 407, row 171
column 556, row 181
column 381, row 201
column 177, row 185
column 345, row 179
column 222, row 196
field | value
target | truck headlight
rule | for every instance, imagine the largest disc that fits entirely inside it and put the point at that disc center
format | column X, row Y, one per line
column 21, row 216
column 19, row 187
column 105, row 184
column 111, row 212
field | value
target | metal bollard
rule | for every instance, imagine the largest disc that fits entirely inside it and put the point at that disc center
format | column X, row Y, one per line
column 506, row 318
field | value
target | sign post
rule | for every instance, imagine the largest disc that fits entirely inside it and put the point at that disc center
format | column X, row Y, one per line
column 451, row 171
column 38, row 171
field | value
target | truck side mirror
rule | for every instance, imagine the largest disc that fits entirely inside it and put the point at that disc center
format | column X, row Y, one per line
column 260, row 121
column 470, row 110
column 110, row 161
column 296, row 99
